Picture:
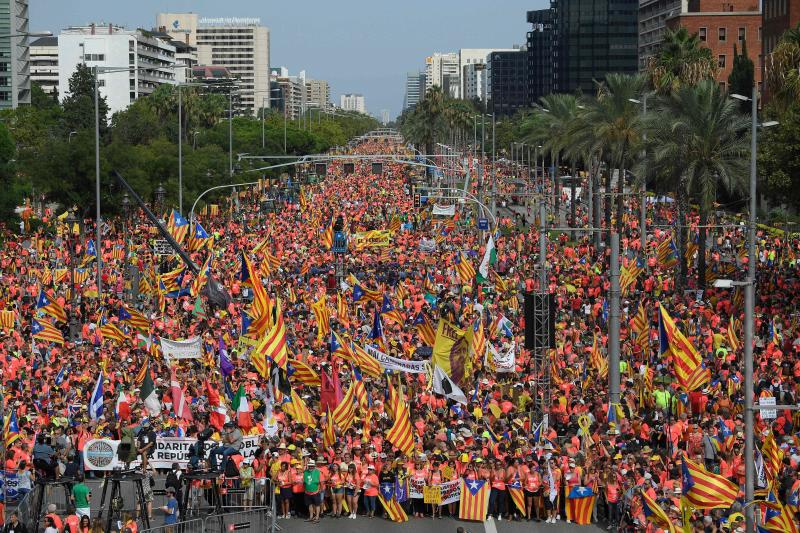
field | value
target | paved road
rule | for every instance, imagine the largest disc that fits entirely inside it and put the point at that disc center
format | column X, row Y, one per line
column 427, row 525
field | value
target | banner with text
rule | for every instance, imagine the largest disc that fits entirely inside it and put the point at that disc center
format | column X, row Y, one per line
column 444, row 210
column 101, row 454
column 450, row 490
column 393, row 363
column 188, row 349
column 379, row 238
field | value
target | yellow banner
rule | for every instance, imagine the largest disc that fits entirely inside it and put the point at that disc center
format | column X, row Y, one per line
column 451, row 352
column 372, row 239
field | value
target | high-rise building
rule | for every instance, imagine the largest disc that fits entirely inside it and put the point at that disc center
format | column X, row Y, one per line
column 150, row 60
column 779, row 16
column 540, row 53
column 289, row 92
column 471, row 70
column 441, row 70
column 415, row 89
column 15, row 81
column 239, row 44
column 185, row 55
column 353, row 102
column 653, row 15
column 318, row 94
column 722, row 31
column 44, row 63
column 576, row 43
column 507, row 81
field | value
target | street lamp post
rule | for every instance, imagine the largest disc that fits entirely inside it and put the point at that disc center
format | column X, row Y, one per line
column 126, row 207
column 643, row 206
column 749, row 312
column 71, row 220
column 98, row 231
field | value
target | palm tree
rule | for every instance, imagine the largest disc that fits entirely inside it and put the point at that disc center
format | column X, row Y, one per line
column 696, row 141
column 425, row 123
column 558, row 113
column 783, row 70
column 681, row 60
column 616, row 125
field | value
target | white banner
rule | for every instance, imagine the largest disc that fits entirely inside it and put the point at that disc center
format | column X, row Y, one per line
column 188, row 349
column 101, row 454
column 393, row 363
column 451, row 490
column 444, row 210
column 503, row 362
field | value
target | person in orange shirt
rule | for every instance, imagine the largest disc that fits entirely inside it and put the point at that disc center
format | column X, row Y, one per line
column 370, row 486
column 285, row 481
column 497, row 496
column 352, row 484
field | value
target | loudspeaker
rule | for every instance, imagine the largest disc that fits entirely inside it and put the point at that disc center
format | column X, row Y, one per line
column 540, row 314
column 377, row 168
column 349, row 168
column 321, row 169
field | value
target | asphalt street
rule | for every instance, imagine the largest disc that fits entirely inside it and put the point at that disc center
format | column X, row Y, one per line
column 427, row 525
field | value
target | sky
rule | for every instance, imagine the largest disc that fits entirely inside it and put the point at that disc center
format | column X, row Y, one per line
column 358, row 46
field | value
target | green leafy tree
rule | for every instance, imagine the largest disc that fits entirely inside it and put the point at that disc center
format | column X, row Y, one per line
column 79, row 104
column 783, row 71
column 742, row 77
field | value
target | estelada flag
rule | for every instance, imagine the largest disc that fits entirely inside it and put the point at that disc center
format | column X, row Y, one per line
column 388, row 500
column 580, row 502
column 474, row 500
column 704, row 490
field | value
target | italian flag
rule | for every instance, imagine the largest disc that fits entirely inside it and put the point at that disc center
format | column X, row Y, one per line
column 148, row 395
column 489, row 259
column 242, row 407
column 123, row 407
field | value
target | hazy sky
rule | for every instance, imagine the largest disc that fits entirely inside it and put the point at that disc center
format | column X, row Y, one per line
column 359, row 46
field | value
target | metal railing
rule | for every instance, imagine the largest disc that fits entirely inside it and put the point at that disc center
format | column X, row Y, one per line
column 196, row 525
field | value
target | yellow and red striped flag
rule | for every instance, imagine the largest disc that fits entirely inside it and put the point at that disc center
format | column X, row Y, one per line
column 327, row 236
column 368, row 364
column 44, row 330
column 323, row 316
column 134, row 318
column 345, row 412
column 773, row 457
column 704, row 490
column 579, row 505
column 298, row 410
column 733, row 339
column 655, row 514
column 112, row 332
column 273, row 346
column 388, row 499
column 341, row 309
column 177, row 226
column 463, row 267
column 685, row 356
column 329, row 435
column 8, row 319
column 303, row 373
column 474, row 500
column 401, row 434
column 628, row 276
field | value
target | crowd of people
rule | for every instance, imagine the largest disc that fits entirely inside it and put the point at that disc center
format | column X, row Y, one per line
column 279, row 269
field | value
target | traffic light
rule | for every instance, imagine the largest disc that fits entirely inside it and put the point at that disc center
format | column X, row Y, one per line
column 417, row 200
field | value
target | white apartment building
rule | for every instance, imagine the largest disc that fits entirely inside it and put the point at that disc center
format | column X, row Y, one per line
column 441, row 70
column 353, row 102
column 44, row 63
column 290, row 92
column 150, row 61
column 239, row 44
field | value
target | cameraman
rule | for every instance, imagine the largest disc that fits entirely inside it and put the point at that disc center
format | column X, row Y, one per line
column 197, row 451
column 44, row 456
column 145, row 443
column 231, row 444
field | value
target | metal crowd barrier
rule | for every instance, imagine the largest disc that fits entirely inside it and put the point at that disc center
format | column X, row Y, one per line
column 255, row 520
column 187, row 526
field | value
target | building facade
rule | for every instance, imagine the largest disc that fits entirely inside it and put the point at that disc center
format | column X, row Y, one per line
column 653, row 15
column 239, row 44
column 288, row 92
column 540, row 53
column 15, row 77
column 778, row 16
column 44, row 63
column 318, row 94
column 441, row 70
column 593, row 38
column 415, row 89
column 150, row 61
column 723, row 26
column 507, row 81
column 353, row 102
